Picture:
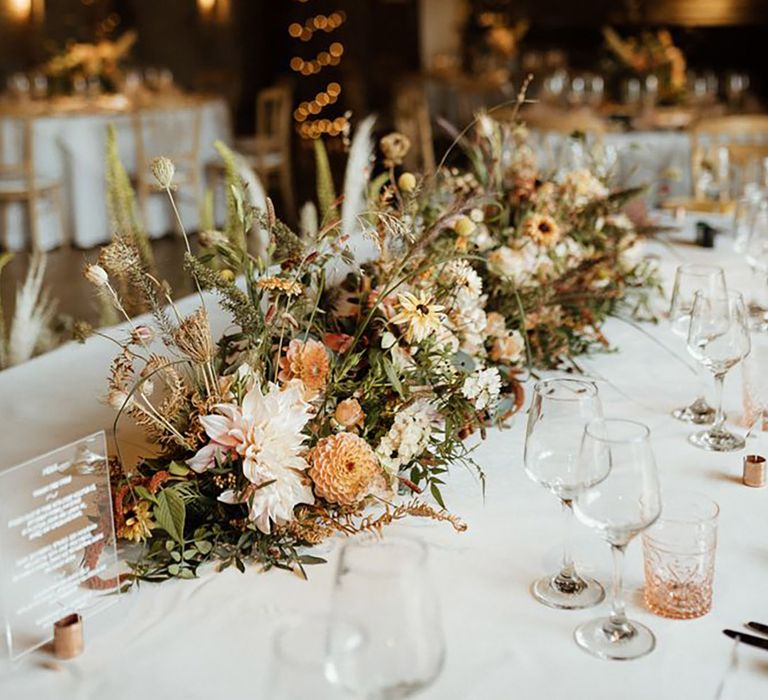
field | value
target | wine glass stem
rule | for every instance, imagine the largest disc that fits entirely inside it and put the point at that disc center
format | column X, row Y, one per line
column 618, row 615
column 568, row 570
column 719, row 416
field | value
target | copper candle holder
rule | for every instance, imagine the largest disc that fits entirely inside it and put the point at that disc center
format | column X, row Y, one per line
column 754, row 471
column 68, row 637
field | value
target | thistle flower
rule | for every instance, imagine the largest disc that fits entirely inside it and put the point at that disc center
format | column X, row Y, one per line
column 96, row 275
column 193, row 337
column 395, row 147
column 163, row 170
column 420, row 316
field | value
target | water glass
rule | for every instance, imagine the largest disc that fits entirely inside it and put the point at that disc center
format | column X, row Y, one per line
column 621, row 498
column 315, row 657
column 679, row 556
column 384, row 588
column 560, row 409
column 718, row 339
column 690, row 279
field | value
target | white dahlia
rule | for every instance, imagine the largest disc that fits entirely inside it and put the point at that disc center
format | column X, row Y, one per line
column 266, row 433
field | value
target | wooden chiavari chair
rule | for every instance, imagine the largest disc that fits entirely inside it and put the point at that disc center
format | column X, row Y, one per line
column 172, row 132
column 20, row 183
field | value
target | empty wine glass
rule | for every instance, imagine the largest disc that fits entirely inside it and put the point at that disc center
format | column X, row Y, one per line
column 718, row 339
column 621, row 498
column 315, row 657
column 559, row 411
column 689, row 279
column 384, row 587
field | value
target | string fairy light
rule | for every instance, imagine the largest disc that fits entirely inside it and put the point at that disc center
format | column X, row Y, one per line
column 307, row 115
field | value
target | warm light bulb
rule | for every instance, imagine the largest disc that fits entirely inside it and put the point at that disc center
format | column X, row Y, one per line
column 206, row 6
column 20, row 9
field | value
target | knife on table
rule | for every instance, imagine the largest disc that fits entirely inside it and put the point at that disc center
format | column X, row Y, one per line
column 758, row 627
column 745, row 638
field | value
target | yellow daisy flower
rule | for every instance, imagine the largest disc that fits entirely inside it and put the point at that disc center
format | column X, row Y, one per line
column 420, row 316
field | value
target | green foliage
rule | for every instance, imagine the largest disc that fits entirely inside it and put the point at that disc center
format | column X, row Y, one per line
column 326, row 192
column 237, row 224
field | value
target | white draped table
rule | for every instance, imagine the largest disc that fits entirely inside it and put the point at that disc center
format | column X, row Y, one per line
column 71, row 147
column 211, row 637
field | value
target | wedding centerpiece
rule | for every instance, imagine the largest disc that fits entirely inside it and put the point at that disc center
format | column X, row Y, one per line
column 557, row 253
column 354, row 370
column 101, row 61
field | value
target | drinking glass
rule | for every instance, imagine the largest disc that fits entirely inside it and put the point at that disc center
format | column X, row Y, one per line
column 620, row 499
column 679, row 556
column 559, row 411
column 315, row 657
column 384, row 588
column 689, row 279
column 718, row 339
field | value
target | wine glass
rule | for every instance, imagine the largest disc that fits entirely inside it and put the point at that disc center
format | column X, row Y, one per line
column 384, row 587
column 718, row 339
column 315, row 657
column 621, row 498
column 559, row 411
column 689, row 279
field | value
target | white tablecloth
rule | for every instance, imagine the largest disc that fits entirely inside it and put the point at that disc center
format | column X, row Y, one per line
column 211, row 637
column 71, row 148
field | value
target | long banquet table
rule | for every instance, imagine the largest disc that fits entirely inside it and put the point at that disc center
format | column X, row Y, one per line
column 71, row 147
column 211, row 637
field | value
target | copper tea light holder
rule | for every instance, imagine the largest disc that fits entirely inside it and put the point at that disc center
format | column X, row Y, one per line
column 68, row 637
column 754, row 471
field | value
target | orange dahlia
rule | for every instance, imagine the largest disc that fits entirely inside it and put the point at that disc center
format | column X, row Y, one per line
column 307, row 361
column 344, row 469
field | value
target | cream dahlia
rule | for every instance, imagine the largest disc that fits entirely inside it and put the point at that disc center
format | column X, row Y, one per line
column 265, row 433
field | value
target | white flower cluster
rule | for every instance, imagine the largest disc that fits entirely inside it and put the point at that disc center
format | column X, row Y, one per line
column 523, row 266
column 482, row 387
column 580, row 187
column 407, row 438
column 466, row 317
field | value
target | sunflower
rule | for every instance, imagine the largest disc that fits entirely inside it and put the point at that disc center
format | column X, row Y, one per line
column 420, row 316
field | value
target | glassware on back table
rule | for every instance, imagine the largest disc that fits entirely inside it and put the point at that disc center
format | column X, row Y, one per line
column 756, row 254
column 621, row 498
column 679, row 556
column 689, row 279
column 384, row 588
column 718, row 339
column 559, row 411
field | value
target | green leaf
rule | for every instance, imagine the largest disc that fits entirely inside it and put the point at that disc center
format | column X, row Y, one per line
column 174, row 569
column 435, row 490
column 310, row 559
column 463, row 362
column 239, row 564
column 326, row 193
column 171, row 513
column 391, row 373
column 178, row 469
column 204, row 547
column 145, row 494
